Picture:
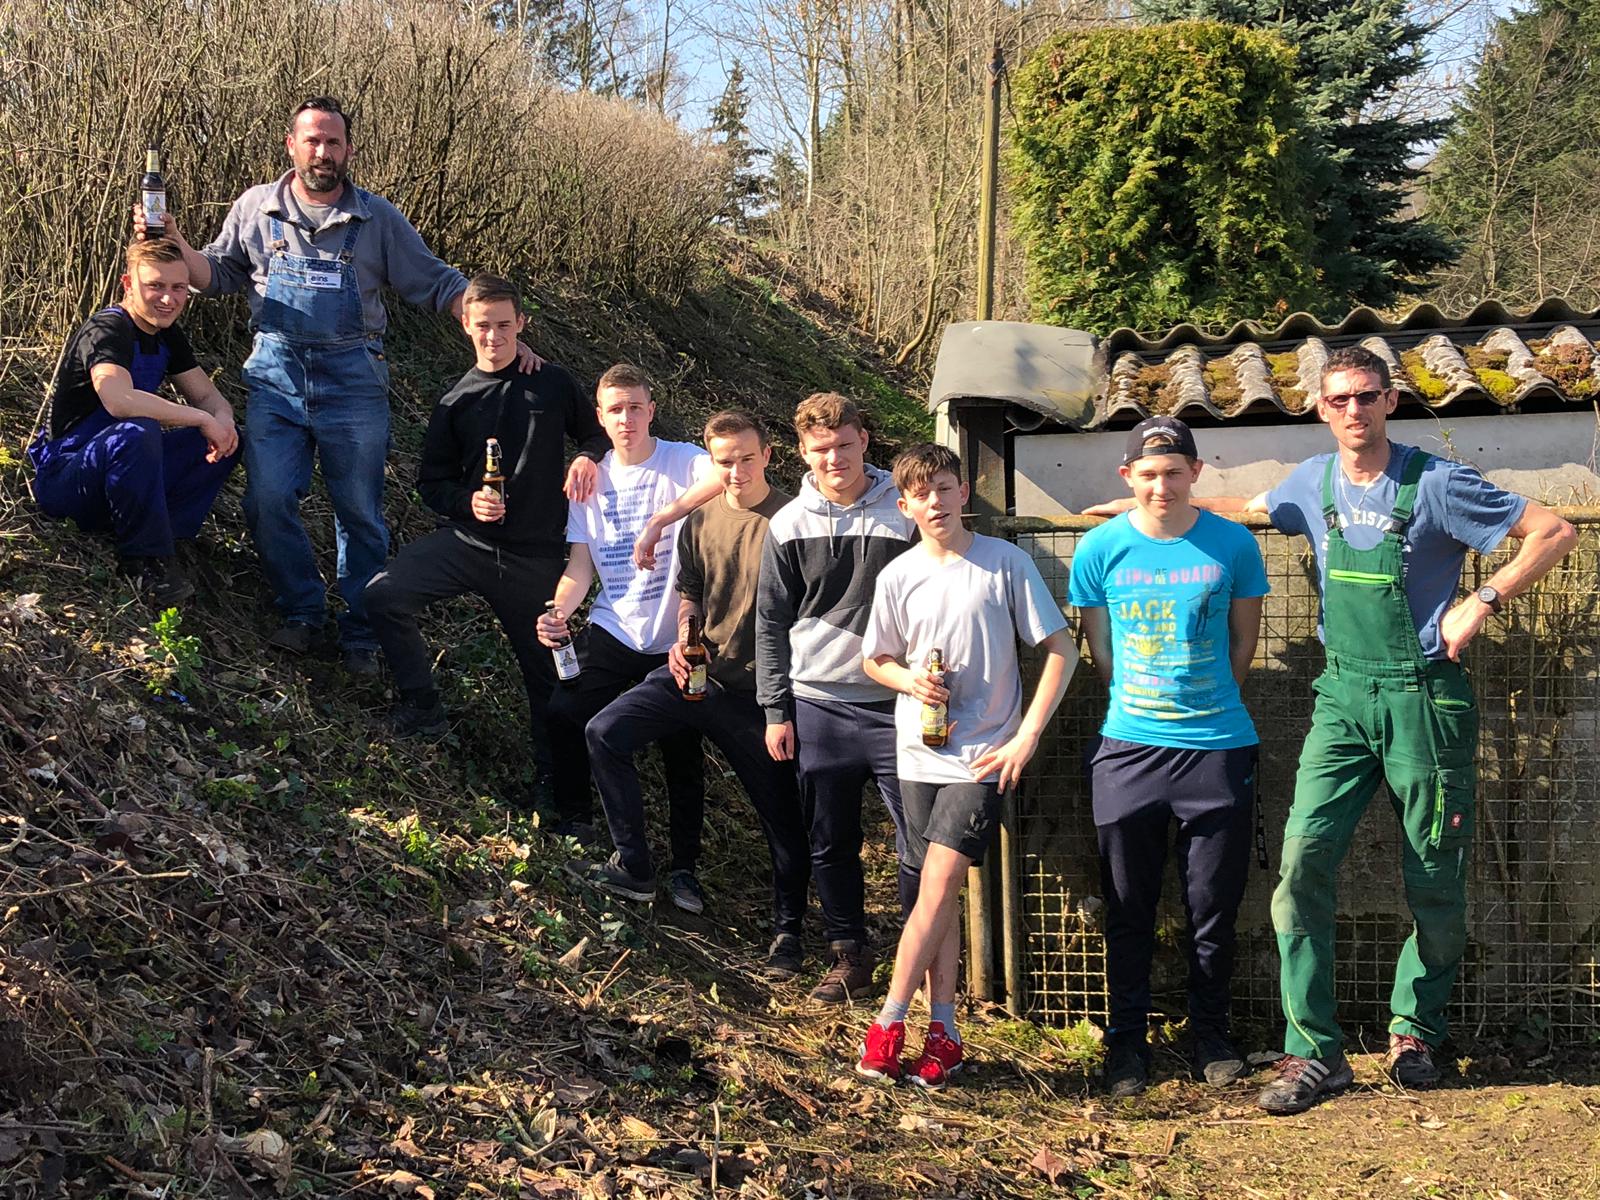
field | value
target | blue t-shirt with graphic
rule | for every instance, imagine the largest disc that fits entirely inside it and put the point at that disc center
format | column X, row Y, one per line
column 1167, row 601
column 1456, row 509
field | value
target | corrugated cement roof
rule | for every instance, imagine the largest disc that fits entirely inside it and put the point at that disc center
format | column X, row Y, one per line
column 1489, row 355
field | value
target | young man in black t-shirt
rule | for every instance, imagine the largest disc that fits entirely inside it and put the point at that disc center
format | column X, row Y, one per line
column 103, row 458
column 511, row 551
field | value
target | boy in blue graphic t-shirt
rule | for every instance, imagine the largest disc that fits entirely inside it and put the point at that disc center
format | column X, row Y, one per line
column 1170, row 598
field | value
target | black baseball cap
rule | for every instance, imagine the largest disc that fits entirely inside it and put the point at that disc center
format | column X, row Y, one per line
column 1159, row 435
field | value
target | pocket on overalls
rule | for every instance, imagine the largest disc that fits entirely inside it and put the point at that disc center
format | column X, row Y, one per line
column 1454, row 800
column 1453, row 709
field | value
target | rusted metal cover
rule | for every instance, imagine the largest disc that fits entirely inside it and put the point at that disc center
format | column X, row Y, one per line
column 1050, row 372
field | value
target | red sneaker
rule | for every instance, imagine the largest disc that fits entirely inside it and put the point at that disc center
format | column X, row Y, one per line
column 880, row 1051
column 940, row 1058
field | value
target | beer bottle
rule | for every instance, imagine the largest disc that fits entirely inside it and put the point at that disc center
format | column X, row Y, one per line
column 565, row 654
column 699, row 660
column 493, row 477
column 935, row 717
column 153, row 195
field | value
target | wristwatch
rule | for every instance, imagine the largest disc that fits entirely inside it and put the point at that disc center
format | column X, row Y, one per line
column 1491, row 597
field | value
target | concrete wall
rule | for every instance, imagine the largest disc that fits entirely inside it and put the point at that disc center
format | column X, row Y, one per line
column 1548, row 456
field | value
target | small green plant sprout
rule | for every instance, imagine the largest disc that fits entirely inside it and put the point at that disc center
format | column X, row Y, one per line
column 177, row 658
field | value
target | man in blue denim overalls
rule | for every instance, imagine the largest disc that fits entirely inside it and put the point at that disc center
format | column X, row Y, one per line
column 313, row 251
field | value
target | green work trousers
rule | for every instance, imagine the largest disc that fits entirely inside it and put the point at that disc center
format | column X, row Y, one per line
column 1415, row 728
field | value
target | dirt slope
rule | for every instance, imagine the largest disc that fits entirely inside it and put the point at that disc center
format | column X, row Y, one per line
column 250, row 945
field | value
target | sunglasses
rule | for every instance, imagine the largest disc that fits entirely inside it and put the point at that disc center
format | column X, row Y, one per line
column 1362, row 399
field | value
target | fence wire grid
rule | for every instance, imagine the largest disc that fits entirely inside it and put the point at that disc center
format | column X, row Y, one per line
column 1534, row 884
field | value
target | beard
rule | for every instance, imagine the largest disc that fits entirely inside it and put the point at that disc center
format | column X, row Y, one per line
column 321, row 179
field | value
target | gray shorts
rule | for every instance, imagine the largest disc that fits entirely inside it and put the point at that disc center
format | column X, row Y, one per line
column 961, row 816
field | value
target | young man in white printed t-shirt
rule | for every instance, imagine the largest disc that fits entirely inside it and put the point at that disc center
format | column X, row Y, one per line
column 633, row 621
column 970, row 597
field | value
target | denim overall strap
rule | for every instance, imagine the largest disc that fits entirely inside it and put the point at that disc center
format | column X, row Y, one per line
column 312, row 301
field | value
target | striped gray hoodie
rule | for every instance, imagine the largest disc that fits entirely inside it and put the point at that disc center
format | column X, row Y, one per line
column 818, row 569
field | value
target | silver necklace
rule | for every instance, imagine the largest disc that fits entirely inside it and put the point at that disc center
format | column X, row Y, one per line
column 1356, row 505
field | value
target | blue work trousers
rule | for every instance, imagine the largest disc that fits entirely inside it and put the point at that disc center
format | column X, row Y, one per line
column 145, row 485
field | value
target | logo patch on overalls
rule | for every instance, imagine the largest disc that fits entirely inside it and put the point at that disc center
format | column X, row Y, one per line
column 1455, row 820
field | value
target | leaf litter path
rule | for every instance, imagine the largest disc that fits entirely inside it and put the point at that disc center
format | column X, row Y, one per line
column 249, row 946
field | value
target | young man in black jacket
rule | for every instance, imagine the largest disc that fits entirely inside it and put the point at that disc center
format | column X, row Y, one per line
column 510, row 548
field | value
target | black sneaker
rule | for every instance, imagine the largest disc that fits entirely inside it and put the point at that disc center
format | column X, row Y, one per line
column 411, row 720
column 1302, row 1082
column 1411, row 1062
column 160, row 581
column 850, row 975
column 295, row 637
column 686, row 892
column 361, row 662
column 1215, row 1059
column 785, row 957
column 612, row 876
column 1127, row 1069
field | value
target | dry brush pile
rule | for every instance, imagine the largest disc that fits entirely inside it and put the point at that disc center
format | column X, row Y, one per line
column 453, row 123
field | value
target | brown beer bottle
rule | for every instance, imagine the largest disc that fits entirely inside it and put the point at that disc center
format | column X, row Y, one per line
column 153, row 196
column 699, row 660
column 566, row 655
column 935, row 717
column 493, row 477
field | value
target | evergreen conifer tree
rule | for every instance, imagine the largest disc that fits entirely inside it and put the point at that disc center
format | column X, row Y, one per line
column 745, row 184
column 1352, row 56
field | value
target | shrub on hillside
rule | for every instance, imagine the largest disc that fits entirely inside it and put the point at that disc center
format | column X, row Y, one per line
column 453, row 123
column 1158, row 175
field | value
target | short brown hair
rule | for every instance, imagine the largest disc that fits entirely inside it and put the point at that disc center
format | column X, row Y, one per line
column 625, row 376
column 322, row 104
column 153, row 250
column 826, row 410
column 489, row 289
column 731, row 422
column 916, row 467
column 1357, row 358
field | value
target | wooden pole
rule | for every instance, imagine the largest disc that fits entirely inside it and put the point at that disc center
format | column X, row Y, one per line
column 989, row 187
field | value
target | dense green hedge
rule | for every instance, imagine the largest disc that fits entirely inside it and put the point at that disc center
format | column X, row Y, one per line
column 1158, row 176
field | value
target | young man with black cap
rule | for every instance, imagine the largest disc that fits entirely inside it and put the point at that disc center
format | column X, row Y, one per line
column 1170, row 599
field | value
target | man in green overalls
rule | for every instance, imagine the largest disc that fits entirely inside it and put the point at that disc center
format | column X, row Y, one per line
column 1391, row 527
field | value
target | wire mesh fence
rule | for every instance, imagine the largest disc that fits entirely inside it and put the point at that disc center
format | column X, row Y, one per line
column 1533, row 959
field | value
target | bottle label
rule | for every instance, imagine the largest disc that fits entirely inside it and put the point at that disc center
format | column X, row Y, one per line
column 155, row 207
column 697, row 680
column 566, row 662
column 933, row 719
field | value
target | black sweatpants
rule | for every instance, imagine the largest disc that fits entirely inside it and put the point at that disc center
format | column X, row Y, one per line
column 443, row 565
column 1138, row 791
column 838, row 747
column 610, row 669
column 736, row 725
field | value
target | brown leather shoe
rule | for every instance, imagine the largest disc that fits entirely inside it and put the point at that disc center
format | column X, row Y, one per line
column 848, row 978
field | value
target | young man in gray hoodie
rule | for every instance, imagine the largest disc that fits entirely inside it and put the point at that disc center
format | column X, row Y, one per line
column 824, row 552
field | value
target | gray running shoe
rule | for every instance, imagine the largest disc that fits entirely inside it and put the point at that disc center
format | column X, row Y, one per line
column 685, row 891
column 1411, row 1062
column 1301, row 1082
column 612, row 876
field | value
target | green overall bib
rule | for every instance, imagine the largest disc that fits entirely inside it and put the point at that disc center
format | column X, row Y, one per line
column 1383, row 713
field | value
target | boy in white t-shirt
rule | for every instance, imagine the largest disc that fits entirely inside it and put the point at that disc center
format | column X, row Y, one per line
column 633, row 621
column 970, row 597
